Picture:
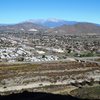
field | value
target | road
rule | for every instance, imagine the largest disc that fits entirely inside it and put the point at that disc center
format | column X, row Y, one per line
column 88, row 59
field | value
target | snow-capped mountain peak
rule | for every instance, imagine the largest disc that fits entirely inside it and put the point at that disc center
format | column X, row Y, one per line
column 54, row 20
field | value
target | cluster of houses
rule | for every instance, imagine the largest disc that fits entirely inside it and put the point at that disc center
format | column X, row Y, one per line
column 20, row 54
column 46, row 47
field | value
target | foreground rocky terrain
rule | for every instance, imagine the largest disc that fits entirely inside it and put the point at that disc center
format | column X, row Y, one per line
column 47, row 77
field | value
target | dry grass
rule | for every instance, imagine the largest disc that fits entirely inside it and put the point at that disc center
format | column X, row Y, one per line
column 33, row 70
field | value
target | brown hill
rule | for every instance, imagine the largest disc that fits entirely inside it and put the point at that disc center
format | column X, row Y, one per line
column 22, row 27
column 77, row 29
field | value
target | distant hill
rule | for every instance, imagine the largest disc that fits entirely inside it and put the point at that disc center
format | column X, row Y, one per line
column 79, row 28
column 22, row 27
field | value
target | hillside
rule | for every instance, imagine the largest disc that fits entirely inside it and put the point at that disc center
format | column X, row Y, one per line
column 76, row 29
column 21, row 27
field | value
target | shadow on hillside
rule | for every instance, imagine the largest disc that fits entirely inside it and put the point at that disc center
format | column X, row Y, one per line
column 37, row 96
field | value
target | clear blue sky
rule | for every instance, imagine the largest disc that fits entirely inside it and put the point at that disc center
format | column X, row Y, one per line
column 14, row 11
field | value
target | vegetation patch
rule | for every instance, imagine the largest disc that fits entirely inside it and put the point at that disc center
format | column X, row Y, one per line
column 91, row 93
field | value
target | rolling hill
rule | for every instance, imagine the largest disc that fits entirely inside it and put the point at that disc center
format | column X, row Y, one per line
column 81, row 28
column 22, row 27
column 48, row 27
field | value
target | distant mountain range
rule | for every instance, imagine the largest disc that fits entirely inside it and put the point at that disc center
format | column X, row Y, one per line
column 51, row 23
column 53, row 26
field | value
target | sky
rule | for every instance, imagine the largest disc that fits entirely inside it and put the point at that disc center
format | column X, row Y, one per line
column 15, row 11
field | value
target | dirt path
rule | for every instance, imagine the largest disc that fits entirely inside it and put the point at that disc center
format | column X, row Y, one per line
column 66, row 90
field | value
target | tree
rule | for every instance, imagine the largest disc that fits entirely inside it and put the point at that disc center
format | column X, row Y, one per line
column 20, row 59
column 43, row 56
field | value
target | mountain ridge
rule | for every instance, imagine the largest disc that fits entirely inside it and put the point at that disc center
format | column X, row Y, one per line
column 62, row 27
column 51, row 23
column 77, row 29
